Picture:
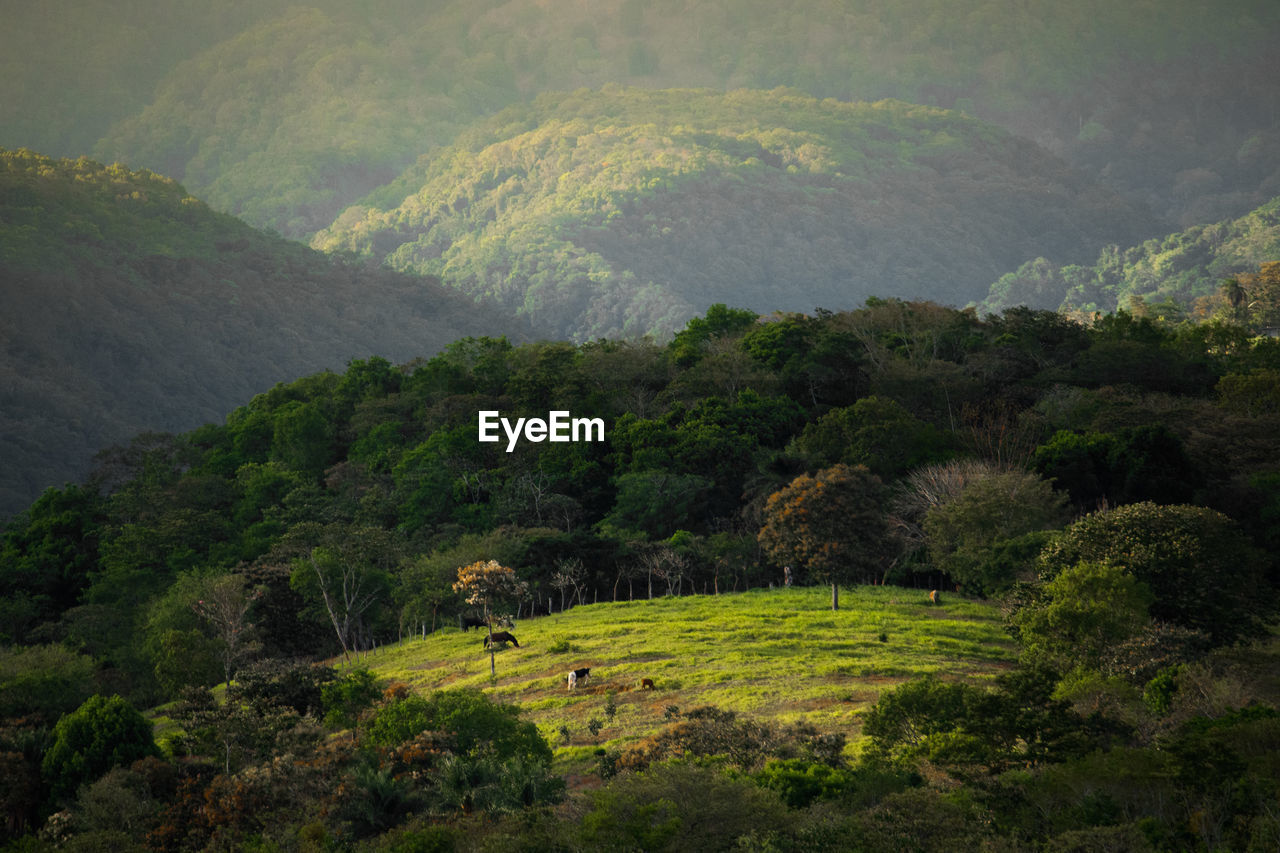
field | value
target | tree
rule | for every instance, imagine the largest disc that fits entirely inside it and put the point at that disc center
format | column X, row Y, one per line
column 569, row 573
column 48, row 552
column 347, row 587
column 43, row 682
column 1201, row 569
column 102, row 733
column 1082, row 613
column 225, row 607
column 832, row 524
column 963, row 533
column 876, row 432
column 657, row 502
column 485, row 582
column 1262, row 292
column 691, row 343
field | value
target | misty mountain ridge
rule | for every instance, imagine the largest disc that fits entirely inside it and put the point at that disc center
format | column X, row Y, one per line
column 623, row 212
column 285, row 114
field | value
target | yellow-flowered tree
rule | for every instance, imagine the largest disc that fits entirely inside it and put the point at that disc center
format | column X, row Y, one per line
column 485, row 582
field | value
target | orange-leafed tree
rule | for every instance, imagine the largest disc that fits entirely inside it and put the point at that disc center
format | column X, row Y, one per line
column 832, row 524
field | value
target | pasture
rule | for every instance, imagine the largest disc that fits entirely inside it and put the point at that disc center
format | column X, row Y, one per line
column 779, row 655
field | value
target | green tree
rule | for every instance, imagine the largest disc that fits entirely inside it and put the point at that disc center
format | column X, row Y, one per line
column 964, row 534
column 345, row 697
column 43, row 682
column 831, row 524
column 471, row 722
column 876, row 432
column 1200, row 567
column 657, row 502
column 690, row 344
column 102, row 733
column 1081, row 614
column 47, row 554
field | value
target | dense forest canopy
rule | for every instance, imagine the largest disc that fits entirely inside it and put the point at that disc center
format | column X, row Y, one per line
column 625, row 211
column 285, row 114
column 1182, row 273
column 728, row 233
column 131, row 306
column 1116, row 484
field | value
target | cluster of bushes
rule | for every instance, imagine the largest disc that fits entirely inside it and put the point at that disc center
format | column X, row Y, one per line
column 268, row 763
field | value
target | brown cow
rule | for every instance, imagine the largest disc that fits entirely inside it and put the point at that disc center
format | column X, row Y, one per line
column 502, row 637
column 646, row 684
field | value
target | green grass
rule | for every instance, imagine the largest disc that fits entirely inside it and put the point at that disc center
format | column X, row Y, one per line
column 774, row 655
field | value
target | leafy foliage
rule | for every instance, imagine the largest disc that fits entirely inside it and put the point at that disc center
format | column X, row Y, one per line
column 102, row 733
column 139, row 267
column 267, row 109
column 1197, row 564
column 966, row 533
column 831, row 524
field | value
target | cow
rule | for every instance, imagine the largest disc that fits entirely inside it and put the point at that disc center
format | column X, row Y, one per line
column 578, row 675
column 935, row 597
column 646, row 684
column 466, row 623
column 501, row 637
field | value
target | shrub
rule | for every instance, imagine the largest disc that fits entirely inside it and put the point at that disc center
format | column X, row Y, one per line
column 292, row 684
column 470, row 720
column 1082, row 613
column 679, row 807
column 344, row 698
column 102, row 733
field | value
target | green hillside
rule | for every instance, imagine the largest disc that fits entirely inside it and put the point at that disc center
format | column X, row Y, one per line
column 781, row 656
column 1110, row 490
column 285, row 113
column 1180, row 269
column 131, row 306
column 626, row 211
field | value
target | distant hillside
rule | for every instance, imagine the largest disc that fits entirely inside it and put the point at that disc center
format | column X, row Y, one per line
column 131, row 306
column 626, row 211
column 285, row 113
column 1178, row 268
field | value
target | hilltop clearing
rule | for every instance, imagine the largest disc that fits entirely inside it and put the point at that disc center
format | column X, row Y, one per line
column 777, row 656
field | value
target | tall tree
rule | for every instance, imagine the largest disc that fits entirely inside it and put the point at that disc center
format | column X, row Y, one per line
column 486, row 582
column 832, row 524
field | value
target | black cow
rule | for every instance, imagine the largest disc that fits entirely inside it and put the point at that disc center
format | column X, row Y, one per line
column 466, row 623
column 502, row 637
column 578, row 676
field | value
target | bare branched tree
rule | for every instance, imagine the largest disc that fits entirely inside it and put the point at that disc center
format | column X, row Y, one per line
column 225, row 606
column 569, row 573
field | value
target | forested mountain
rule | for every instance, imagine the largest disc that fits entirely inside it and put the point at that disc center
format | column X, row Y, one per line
column 1182, row 272
column 1116, row 486
column 285, row 114
column 130, row 306
column 625, row 211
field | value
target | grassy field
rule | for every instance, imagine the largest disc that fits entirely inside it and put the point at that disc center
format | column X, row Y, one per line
column 778, row 655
